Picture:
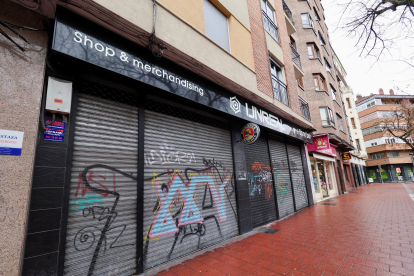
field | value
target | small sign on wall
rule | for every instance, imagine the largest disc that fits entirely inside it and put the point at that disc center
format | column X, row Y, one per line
column 54, row 131
column 11, row 142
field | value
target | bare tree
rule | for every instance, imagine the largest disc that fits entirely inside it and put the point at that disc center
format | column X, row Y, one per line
column 399, row 124
column 380, row 25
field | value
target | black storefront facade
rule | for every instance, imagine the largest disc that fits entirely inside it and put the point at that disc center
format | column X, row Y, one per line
column 391, row 173
column 151, row 166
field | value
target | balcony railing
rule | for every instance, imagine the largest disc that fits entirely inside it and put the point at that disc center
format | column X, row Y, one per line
column 270, row 26
column 295, row 56
column 280, row 90
column 304, row 107
column 287, row 11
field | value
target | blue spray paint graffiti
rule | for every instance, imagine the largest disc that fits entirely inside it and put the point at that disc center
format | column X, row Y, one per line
column 164, row 222
column 282, row 187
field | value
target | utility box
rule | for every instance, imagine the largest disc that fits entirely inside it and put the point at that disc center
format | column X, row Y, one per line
column 59, row 96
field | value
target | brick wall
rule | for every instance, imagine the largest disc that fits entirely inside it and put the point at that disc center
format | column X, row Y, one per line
column 260, row 52
column 291, row 82
column 302, row 36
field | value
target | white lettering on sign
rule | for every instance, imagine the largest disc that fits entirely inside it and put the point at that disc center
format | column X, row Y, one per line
column 109, row 52
column 264, row 117
column 267, row 119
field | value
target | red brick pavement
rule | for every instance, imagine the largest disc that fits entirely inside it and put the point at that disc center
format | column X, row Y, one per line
column 370, row 232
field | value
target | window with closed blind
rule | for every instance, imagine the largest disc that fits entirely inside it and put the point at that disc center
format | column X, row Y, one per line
column 216, row 24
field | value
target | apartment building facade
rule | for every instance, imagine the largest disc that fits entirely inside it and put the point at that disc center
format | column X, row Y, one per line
column 136, row 136
column 389, row 158
column 320, row 88
column 359, row 155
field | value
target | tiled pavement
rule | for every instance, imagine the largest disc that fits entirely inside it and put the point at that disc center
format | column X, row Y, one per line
column 368, row 232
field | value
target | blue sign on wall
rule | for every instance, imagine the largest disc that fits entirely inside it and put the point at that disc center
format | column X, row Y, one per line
column 11, row 142
column 54, row 131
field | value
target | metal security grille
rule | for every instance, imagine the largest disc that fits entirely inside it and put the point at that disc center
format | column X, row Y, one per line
column 189, row 192
column 260, row 180
column 282, row 176
column 101, row 234
column 298, row 178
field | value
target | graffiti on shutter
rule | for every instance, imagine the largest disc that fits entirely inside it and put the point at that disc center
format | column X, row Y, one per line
column 189, row 192
column 298, row 178
column 282, row 176
column 260, row 180
column 101, row 230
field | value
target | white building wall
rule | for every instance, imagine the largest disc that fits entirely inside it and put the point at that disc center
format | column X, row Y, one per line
column 383, row 141
column 351, row 112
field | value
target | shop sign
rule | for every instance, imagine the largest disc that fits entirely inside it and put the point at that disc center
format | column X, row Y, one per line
column 78, row 43
column 250, row 133
column 321, row 142
column 330, row 152
column 11, row 142
column 54, row 131
column 398, row 170
column 346, row 157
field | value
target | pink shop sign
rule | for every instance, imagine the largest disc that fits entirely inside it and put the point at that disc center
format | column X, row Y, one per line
column 330, row 152
column 321, row 142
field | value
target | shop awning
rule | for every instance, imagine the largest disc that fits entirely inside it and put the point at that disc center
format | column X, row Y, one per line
column 323, row 157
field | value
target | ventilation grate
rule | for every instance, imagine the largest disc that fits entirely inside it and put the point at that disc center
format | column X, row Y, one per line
column 268, row 230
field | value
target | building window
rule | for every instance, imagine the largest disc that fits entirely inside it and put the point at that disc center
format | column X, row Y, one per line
column 339, row 119
column 300, row 82
column 304, row 107
column 333, row 92
column 327, row 116
column 317, row 18
column 353, row 123
column 321, row 39
column 307, row 21
column 378, row 155
column 279, row 87
column 328, row 66
column 313, row 50
column 374, row 144
column 348, row 102
column 371, row 130
column 358, row 145
column 393, row 154
column 269, row 20
column 216, row 24
column 320, row 84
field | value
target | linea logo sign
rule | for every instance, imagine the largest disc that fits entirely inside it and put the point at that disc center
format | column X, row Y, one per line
column 235, row 105
column 250, row 133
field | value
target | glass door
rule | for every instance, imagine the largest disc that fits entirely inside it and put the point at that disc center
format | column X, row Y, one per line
column 315, row 178
column 328, row 174
column 322, row 179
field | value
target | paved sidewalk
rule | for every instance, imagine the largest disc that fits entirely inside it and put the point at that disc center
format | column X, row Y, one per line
column 369, row 231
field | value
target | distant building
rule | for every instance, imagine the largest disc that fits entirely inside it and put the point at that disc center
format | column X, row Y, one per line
column 359, row 155
column 389, row 159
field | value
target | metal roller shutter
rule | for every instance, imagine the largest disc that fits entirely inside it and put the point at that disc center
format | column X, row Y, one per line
column 101, row 233
column 282, row 177
column 260, row 180
column 298, row 178
column 189, row 192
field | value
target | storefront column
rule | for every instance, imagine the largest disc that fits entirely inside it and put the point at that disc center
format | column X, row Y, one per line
column 308, row 174
column 240, row 176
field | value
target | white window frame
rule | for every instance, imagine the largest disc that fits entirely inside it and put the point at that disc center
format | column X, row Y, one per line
column 309, row 20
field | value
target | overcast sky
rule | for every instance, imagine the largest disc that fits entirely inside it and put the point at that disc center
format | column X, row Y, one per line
column 363, row 74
